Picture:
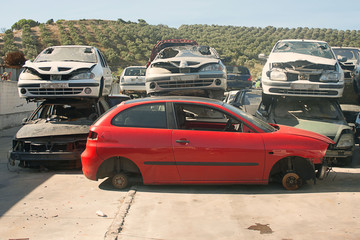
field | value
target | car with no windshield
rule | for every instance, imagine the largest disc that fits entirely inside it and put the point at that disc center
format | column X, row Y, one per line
column 187, row 70
column 304, row 68
column 66, row 71
column 54, row 135
column 188, row 140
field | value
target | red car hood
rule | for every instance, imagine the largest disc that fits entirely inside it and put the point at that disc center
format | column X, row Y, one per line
column 301, row 132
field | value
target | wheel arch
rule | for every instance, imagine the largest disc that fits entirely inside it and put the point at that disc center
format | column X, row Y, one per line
column 114, row 165
column 302, row 166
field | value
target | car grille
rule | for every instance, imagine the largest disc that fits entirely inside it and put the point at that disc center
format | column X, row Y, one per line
column 55, row 91
column 70, row 145
column 310, row 77
column 185, row 83
column 304, row 92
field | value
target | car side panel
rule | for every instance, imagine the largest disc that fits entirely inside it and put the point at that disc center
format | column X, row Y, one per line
column 146, row 147
column 219, row 156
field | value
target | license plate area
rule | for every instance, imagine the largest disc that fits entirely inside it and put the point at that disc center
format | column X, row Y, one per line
column 305, row 86
column 54, row 85
column 185, row 78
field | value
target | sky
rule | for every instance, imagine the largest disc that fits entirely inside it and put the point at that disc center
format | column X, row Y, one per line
column 255, row 13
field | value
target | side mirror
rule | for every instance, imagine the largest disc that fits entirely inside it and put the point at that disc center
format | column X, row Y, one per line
column 23, row 122
column 262, row 56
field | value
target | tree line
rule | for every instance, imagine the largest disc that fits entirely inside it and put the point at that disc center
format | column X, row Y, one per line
column 127, row 43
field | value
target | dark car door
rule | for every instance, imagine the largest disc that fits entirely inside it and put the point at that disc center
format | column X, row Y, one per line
column 206, row 150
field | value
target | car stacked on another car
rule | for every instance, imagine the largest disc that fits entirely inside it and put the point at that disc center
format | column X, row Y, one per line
column 305, row 68
column 66, row 71
column 71, row 85
column 187, row 70
column 302, row 82
column 132, row 80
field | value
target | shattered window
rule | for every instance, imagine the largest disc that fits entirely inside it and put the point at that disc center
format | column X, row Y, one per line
column 317, row 49
column 67, row 54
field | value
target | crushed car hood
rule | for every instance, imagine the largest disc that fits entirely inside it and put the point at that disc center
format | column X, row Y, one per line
column 57, row 67
column 45, row 129
column 292, row 57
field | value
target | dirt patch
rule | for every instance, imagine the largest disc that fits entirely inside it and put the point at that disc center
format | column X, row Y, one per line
column 263, row 228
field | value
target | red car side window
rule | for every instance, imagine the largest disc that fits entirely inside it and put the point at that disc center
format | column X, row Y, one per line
column 143, row 116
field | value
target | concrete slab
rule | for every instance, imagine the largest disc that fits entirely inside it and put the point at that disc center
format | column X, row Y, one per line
column 327, row 210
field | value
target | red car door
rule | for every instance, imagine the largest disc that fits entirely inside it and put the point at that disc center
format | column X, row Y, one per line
column 218, row 155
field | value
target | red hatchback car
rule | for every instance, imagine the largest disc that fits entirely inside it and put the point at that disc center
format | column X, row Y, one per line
column 189, row 140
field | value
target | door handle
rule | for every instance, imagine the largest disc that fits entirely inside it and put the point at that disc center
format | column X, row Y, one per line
column 182, row 141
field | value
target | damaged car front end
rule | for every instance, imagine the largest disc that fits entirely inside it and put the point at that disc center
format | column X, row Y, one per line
column 304, row 68
column 66, row 71
column 55, row 133
column 187, row 70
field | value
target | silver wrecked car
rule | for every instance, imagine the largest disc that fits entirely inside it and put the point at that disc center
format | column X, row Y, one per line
column 187, row 70
column 66, row 71
column 306, row 68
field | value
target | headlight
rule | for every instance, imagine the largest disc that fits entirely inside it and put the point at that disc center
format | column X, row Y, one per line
column 212, row 67
column 27, row 75
column 346, row 140
column 330, row 77
column 278, row 76
column 84, row 75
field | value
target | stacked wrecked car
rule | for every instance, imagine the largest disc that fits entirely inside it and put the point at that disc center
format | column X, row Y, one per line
column 70, row 85
column 302, row 82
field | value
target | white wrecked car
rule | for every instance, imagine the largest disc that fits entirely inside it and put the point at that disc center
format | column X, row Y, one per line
column 302, row 68
column 66, row 71
column 187, row 70
column 132, row 80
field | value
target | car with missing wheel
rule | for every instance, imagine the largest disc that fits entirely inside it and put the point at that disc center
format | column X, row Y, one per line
column 55, row 134
column 66, row 71
column 191, row 140
column 187, row 70
column 303, row 68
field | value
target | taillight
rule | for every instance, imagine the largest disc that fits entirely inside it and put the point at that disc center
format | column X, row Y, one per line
column 250, row 79
column 92, row 135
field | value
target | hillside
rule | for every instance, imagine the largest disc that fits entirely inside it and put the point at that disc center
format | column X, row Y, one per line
column 130, row 43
